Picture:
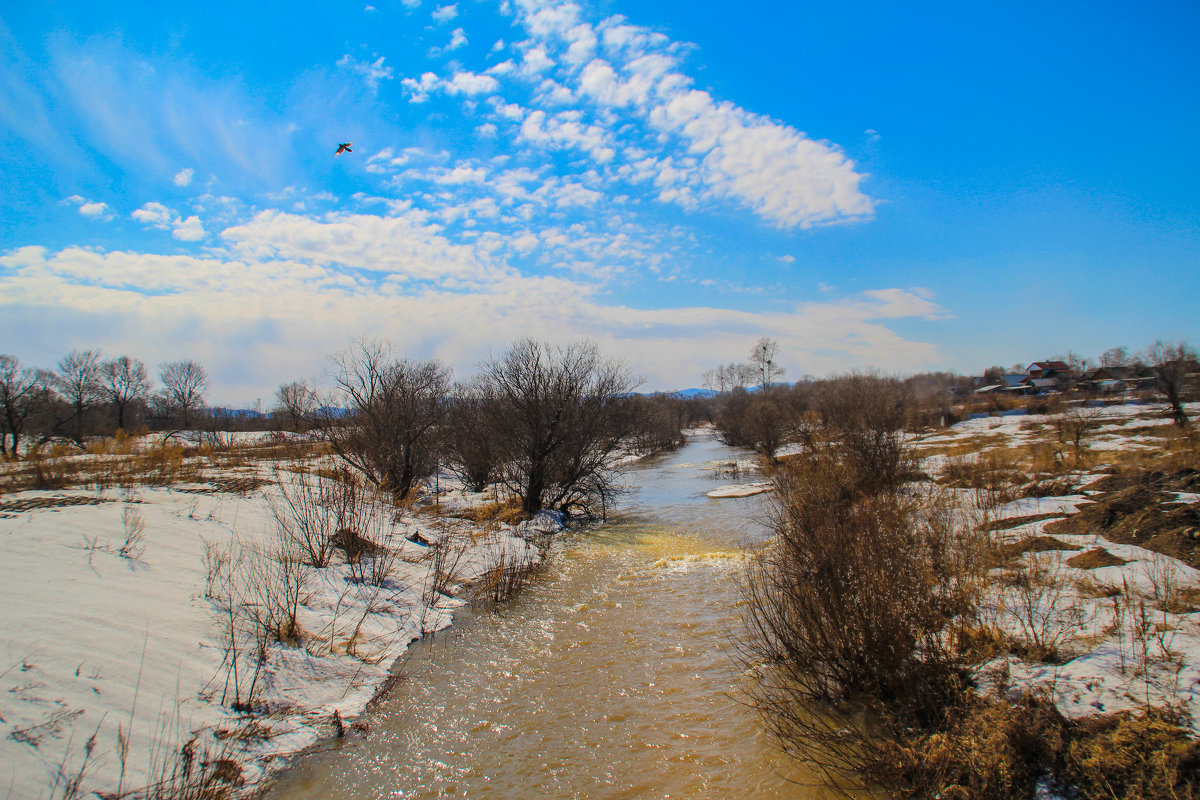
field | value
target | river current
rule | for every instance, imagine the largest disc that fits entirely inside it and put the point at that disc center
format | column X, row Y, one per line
column 612, row 675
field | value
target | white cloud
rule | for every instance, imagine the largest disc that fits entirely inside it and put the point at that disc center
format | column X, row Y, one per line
column 635, row 91
column 787, row 259
column 371, row 72
column 155, row 215
column 525, row 244
column 419, row 89
column 404, row 246
column 188, row 230
column 96, row 211
column 184, row 176
column 566, row 130
column 445, row 13
column 472, row 84
column 535, row 60
column 411, row 3
column 215, row 308
column 91, row 209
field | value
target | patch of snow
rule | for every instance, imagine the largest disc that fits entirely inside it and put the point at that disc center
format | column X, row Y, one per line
column 741, row 490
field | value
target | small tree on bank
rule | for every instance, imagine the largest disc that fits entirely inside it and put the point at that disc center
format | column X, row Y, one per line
column 561, row 413
column 762, row 359
column 393, row 410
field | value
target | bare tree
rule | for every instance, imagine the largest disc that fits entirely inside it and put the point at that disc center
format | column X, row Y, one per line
column 762, row 359
column 393, row 410
column 124, row 381
column 1175, row 365
column 78, row 381
column 297, row 402
column 561, row 411
column 729, row 377
column 475, row 451
column 22, row 392
column 184, row 386
column 1115, row 357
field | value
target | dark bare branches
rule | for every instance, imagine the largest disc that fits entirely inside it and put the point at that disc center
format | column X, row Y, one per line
column 184, row 385
column 562, row 411
column 124, row 381
column 393, row 410
column 23, row 392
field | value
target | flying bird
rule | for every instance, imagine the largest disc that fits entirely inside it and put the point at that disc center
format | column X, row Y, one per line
column 344, row 147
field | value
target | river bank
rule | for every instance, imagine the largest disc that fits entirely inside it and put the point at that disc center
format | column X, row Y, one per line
column 119, row 661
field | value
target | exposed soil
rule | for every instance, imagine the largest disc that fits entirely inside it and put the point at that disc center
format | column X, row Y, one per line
column 1095, row 559
column 232, row 485
column 1140, row 509
column 1034, row 544
column 1008, row 523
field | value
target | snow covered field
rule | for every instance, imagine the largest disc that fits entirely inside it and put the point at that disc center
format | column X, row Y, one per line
column 115, row 630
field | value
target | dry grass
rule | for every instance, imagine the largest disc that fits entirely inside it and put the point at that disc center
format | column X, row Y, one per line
column 506, row 512
column 1146, row 756
column 117, row 462
column 985, row 750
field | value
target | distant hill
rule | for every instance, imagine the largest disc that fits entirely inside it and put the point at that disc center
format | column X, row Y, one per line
column 695, row 393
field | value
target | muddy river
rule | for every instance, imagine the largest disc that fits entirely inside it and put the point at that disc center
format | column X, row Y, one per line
column 611, row 676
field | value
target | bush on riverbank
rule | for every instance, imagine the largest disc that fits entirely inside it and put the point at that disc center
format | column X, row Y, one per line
column 855, row 605
column 871, row 609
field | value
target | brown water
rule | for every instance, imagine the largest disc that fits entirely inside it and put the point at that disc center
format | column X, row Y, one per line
column 611, row 676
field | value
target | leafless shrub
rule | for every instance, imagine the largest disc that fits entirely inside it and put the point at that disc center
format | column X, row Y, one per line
column 446, row 553
column 1044, row 608
column 135, row 533
column 369, row 545
column 503, row 579
column 309, row 512
column 856, row 606
column 395, row 408
column 1077, row 423
column 1167, row 585
column 561, row 415
column 257, row 592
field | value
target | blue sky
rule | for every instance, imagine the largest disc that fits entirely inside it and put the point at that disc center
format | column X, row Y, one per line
column 903, row 186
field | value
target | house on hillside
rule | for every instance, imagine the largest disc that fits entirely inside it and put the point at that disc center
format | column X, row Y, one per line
column 1048, row 369
column 1043, row 377
column 1111, row 380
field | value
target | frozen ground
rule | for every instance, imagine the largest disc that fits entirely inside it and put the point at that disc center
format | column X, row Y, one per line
column 1124, row 636
column 110, row 646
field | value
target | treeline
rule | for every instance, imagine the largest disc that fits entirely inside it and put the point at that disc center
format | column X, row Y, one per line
column 768, row 418
column 86, row 395
column 751, row 410
column 548, row 423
